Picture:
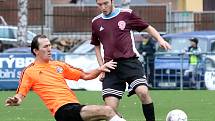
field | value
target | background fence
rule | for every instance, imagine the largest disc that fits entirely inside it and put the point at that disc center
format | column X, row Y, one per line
column 71, row 24
column 70, row 19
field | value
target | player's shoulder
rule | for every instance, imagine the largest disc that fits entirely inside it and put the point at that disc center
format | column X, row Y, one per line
column 56, row 62
column 60, row 63
column 126, row 10
column 64, row 64
column 96, row 17
column 29, row 68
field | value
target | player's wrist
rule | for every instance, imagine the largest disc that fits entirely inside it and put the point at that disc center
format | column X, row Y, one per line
column 18, row 99
column 100, row 69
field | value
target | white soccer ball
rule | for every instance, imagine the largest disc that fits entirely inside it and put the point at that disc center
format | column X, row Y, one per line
column 176, row 115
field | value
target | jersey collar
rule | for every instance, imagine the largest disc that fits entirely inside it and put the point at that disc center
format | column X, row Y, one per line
column 112, row 14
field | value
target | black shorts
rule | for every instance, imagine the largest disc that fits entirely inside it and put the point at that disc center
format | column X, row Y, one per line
column 128, row 70
column 69, row 112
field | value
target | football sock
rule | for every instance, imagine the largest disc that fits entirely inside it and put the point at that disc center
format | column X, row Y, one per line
column 148, row 110
column 117, row 118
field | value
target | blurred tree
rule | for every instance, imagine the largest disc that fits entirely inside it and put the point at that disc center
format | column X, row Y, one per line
column 22, row 22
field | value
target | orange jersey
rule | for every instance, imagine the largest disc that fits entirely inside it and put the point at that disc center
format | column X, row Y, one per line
column 48, row 81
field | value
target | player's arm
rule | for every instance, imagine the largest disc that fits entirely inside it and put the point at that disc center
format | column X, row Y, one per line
column 15, row 100
column 99, row 55
column 100, row 60
column 23, row 88
column 95, row 73
column 152, row 31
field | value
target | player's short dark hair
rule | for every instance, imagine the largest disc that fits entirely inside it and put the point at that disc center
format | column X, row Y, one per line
column 35, row 43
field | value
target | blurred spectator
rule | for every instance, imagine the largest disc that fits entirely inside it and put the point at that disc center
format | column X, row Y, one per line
column 194, row 57
column 74, row 1
column 147, row 50
column 77, row 1
column 1, row 46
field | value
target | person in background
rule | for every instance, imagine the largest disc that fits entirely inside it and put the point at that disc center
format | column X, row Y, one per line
column 113, row 29
column 47, row 79
column 147, row 50
column 194, row 58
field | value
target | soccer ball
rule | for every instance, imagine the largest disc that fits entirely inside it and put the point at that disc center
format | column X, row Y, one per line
column 176, row 115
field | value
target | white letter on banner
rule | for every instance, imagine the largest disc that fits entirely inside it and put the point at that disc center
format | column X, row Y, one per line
column 20, row 63
column 10, row 62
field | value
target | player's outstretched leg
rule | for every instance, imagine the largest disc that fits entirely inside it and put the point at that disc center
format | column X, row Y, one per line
column 99, row 112
column 147, row 104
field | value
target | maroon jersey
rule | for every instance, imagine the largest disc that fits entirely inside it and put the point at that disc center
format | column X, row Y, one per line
column 115, row 32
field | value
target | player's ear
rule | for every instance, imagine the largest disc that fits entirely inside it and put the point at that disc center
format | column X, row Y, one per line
column 35, row 51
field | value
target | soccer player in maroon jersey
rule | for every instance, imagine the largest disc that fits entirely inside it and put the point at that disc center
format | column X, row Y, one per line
column 113, row 28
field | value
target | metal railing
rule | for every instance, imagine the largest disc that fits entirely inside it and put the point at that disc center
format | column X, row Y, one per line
column 170, row 68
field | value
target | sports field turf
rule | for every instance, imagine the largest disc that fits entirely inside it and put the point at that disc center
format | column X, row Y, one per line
column 198, row 104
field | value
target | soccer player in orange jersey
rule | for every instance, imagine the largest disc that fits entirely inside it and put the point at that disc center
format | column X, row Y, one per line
column 47, row 79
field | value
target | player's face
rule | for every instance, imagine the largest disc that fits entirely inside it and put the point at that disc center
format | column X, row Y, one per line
column 44, row 51
column 105, row 6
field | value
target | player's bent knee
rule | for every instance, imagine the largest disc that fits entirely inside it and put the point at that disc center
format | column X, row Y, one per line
column 142, row 90
column 143, row 96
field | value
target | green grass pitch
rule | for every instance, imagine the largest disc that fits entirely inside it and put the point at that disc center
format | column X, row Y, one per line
column 198, row 104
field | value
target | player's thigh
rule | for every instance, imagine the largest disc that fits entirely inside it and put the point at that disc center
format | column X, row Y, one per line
column 96, row 112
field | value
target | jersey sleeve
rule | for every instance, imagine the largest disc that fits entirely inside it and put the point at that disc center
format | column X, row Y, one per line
column 94, row 37
column 137, row 23
column 71, row 72
column 25, row 84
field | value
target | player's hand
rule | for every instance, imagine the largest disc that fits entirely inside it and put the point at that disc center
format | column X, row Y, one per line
column 12, row 101
column 165, row 45
column 108, row 66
